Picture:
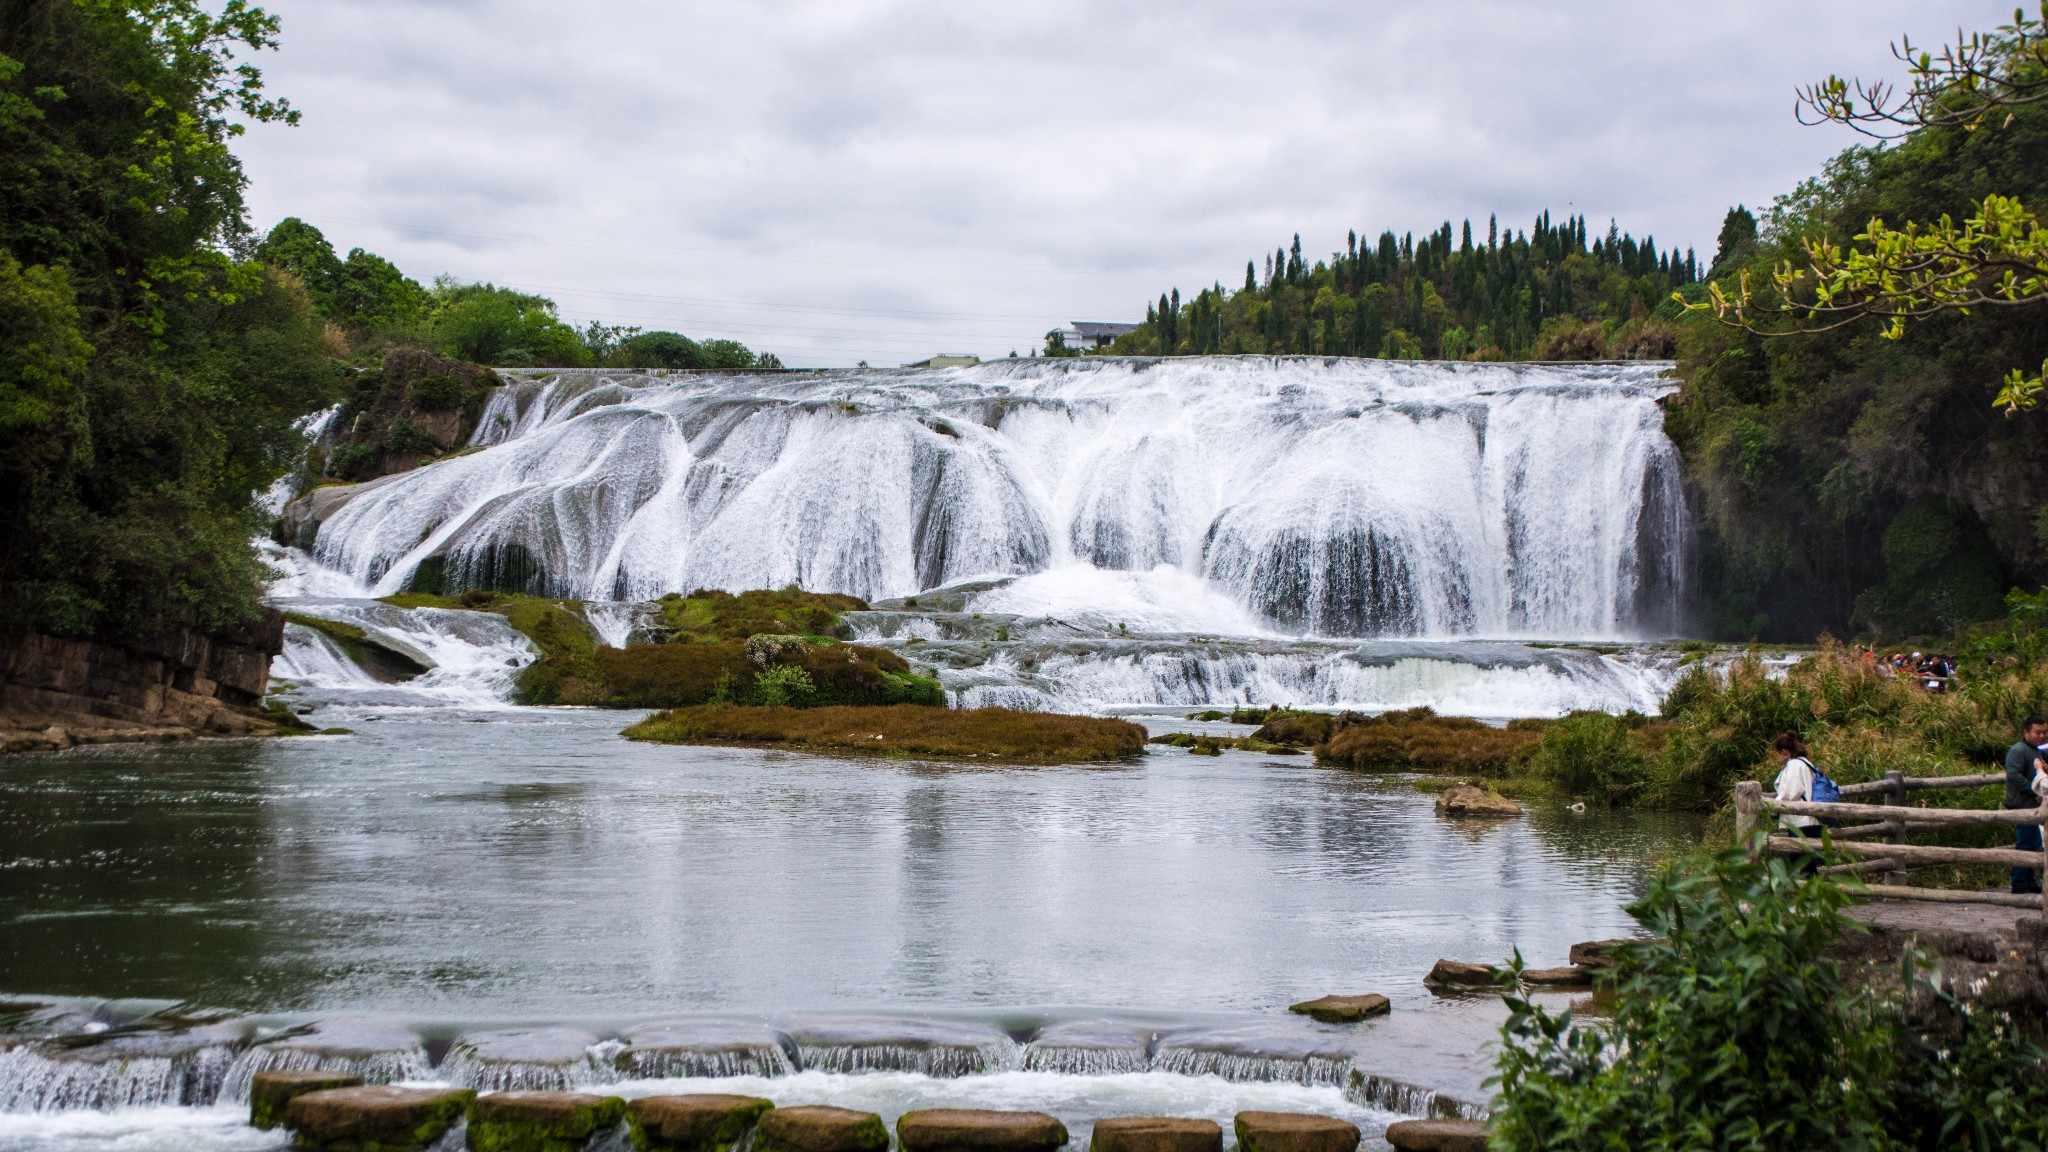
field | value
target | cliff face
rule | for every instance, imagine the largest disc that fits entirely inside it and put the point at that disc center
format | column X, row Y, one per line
column 56, row 691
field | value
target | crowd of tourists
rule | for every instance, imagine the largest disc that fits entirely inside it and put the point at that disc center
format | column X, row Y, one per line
column 2026, row 787
column 1930, row 670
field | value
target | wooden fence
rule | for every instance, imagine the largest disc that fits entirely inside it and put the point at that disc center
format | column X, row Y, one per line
column 1851, row 825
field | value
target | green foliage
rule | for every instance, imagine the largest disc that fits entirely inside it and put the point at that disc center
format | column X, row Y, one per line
column 1593, row 755
column 712, row 615
column 147, row 390
column 1732, row 1030
column 661, row 350
column 492, row 325
column 1544, row 294
column 783, row 684
column 438, row 393
column 403, row 437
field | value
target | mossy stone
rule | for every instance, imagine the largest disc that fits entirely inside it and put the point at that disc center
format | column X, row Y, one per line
column 821, row 1128
column 540, row 1121
column 376, row 1118
column 701, row 1122
column 269, row 1092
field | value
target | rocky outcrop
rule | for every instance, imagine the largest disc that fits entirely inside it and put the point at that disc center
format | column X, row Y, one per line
column 1596, row 953
column 299, row 525
column 1457, row 975
column 1471, row 800
column 1294, row 1132
column 1156, row 1134
column 1342, row 1009
column 1573, row 976
column 56, row 691
column 978, row 1130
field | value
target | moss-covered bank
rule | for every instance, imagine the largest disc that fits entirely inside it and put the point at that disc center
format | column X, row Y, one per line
column 903, row 730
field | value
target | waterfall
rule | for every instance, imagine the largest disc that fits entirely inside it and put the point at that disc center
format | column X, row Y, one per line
column 126, row 1072
column 1338, row 498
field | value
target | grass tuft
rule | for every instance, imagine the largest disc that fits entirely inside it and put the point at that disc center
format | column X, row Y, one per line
column 905, row 730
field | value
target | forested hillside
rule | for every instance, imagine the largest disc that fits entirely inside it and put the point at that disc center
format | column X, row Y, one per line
column 1551, row 293
column 1850, row 482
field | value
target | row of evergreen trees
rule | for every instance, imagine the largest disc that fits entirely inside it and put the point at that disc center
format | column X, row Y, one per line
column 1553, row 292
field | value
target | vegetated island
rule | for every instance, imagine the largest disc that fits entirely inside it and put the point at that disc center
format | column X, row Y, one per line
column 903, row 730
column 765, row 667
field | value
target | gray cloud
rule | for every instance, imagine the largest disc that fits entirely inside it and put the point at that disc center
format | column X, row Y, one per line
column 837, row 180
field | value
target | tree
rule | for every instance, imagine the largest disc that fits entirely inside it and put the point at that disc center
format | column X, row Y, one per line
column 493, row 325
column 1997, row 257
column 661, row 350
column 157, row 378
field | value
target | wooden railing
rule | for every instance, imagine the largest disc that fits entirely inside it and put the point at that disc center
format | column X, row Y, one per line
column 1850, row 825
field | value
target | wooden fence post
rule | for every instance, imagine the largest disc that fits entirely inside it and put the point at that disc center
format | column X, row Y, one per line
column 2044, row 862
column 1895, row 796
column 1749, row 803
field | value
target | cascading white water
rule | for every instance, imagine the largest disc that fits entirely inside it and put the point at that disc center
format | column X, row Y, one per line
column 1332, row 498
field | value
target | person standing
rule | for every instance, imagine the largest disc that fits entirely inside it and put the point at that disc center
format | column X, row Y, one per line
column 2021, row 760
column 1795, row 782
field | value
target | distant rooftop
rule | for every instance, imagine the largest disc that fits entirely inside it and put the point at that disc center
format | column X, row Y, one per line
column 1093, row 333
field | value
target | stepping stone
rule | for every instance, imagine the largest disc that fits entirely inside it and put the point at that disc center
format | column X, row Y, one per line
column 1343, row 1009
column 820, row 1128
column 269, row 1092
column 541, row 1121
column 978, row 1130
column 1571, row 977
column 1596, row 953
column 379, row 1116
column 1156, row 1134
column 1456, row 974
column 707, row 1122
column 1294, row 1132
column 1437, row 1136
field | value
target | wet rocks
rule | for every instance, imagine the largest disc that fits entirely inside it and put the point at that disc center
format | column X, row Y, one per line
column 820, row 1128
column 523, row 1059
column 1342, row 1009
column 930, row 1047
column 1568, row 977
column 269, row 1092
column 705, row 1048
column 706, row 1122
column 1294, row 1132
column 1596, row 953
column 1156, row 1134
column 1470, row 800
column 1285, row 1053
column 1437, row 1136
column 540, row 1121
column 379, row 1117
column 1090, row 1048
column 978, row 1130
column 378, row 1052
column 1456, row 975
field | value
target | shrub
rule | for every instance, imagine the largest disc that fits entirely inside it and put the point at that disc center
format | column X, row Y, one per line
column 783, row 684
column 1419, row 740
column 437, row 393
column 1731, row 1030
column 903, row 730
column 353, row 461
column 1593, row 755
column 404, row 437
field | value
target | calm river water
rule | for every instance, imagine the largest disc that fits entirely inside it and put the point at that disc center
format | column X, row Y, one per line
column 519, row 867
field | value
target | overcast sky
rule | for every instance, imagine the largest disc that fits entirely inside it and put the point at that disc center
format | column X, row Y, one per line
column 879, row 180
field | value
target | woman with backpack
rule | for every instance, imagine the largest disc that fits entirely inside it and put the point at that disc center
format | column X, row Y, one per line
column 1799, row 780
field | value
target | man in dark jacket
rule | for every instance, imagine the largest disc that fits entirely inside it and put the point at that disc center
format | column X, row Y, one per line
column 2020, row 760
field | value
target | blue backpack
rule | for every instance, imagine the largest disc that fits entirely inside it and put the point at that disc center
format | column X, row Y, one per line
column 1825, row 791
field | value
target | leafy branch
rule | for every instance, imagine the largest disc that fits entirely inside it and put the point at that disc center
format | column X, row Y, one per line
column 1965, row 86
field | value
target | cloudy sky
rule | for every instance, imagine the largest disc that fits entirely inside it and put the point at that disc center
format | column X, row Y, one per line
column 879, row 180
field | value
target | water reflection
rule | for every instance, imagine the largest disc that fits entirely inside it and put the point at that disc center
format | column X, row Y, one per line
column 533, row 864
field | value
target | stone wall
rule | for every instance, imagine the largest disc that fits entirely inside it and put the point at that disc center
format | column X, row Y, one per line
column 57, row 691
